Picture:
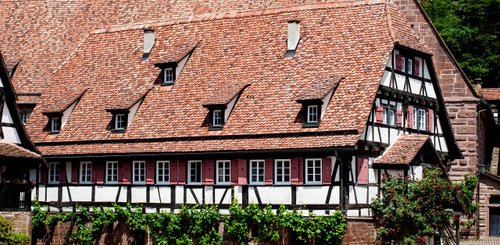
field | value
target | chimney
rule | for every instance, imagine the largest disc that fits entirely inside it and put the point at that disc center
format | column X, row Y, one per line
column 293, row 37
column 149, row 42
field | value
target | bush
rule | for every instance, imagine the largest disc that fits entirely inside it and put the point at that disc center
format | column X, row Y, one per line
column 8, row 236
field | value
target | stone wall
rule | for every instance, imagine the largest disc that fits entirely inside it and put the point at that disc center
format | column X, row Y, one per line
column 488, row 187
column 360, row 232
column 21, row 220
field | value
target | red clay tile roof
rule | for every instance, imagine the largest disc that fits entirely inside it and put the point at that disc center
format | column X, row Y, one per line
column 11, row 150
column 224, row 94
column 62, row 98
column 403, row 151
column 319, row 89
column 491, row 93
column 244, row 48
column 176, row 52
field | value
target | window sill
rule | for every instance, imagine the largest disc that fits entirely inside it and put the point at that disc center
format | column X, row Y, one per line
column 215, row 128
column 310, row 125
column 117, row 131
column 167, row 84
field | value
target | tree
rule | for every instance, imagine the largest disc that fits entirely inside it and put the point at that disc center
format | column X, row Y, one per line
column 470, row 28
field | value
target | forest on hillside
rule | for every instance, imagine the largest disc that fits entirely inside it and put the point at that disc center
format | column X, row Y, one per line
column 470, row 29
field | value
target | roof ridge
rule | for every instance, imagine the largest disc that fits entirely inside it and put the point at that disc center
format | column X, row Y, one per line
column 389, row 24
column 238, row 14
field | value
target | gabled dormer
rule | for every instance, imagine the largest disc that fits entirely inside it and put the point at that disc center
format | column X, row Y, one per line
column 221, row 103
column 123, row 111
column 60, row 110
column 172, row 62
column 315, row 99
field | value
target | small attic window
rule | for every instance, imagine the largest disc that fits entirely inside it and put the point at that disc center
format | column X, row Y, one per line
column 312, row 113
column 217, row 116
column 55, row 123
column 168, row 76
column 119, row 120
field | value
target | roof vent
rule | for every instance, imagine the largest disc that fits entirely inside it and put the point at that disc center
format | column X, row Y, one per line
column 149, row 42
column 293, row 37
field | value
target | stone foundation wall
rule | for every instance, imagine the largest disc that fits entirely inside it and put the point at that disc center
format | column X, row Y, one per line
column 360, row 232
column 21, row 220
column 488, row 188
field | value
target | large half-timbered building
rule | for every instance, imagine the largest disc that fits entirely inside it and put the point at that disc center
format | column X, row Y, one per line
column 303, row 106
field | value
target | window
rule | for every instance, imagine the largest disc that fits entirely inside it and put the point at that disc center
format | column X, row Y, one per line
column 419, row 118
column 162, row 172
column 409, row 66
column 282, row 171
column 168, row 76
column 53, row 172
column 389, row 115
column 85, row 172
column 55, row 124
column 120, row 121
column 194, row 172
column 313, row 171
column 256, row 171
column 111, row 172
column 312, row 114
column 24, row 115
column 223, row 172
column 139, row 172
column 217, row 118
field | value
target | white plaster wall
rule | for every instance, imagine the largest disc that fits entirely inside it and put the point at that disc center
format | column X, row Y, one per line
column 415, row 86
column 160, row 194
column 181, row 65
column 218, row 196
column 132, row 112
column 10, row 134
column 271, row 195
column 67, row 114
column 198, row 192
column 400, row 80
column 6, row 116
column 179, row 194
column 138, row 194
column 430, row 90
column 335, row 197
column 386, row 79
column 311, row 194
column 81, row 193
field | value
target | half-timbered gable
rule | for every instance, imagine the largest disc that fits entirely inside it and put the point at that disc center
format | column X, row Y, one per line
column 270, row 107
column 17, row 154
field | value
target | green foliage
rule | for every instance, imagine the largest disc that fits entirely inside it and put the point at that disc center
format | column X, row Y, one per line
column 409, row 210
column 198, row 225
column 9, row 236
column 470, row 28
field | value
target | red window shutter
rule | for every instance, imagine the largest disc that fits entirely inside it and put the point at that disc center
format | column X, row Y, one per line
column 173, row 172
column 362, row 170
column 379, row 115
column 181, row 172
column 409, row 119
column 399, row 118
column 124, row 172
column 44, row 173
column 430, row 120
column 416, row 67
column 295, row 171
column 327, row 171
column 399, row 62
column 207, row 172
column 301, row 171
column 150, row 172
column 98, row 172
column 62, row 173
column 234, row 171
column 268, row 171
column 75, row 173
column 242, row 172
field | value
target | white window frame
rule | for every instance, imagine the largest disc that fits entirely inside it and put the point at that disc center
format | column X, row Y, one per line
column 196, row 172
column 54, row 172
column 389, row 113
column 403, row 65
column 55, row 127
column 85, row 172
column 217, row 119
column 223, row 170
column 138, row 172
column 259, row 174
column 308, row 161
column 312, row 114
column 283, row 167
column 168, row 78
column 409, row 66
column 24, row 115
column 162, row 172
column 120, row 121
column 419, row 118
column 113, row 166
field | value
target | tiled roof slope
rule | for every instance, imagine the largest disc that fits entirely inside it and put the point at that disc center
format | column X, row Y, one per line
column 351, row 41
column 403, row 151
column 35, row 31
column 10, row 150
column 491, row 93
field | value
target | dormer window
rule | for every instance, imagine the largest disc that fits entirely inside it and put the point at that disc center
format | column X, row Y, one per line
column 217, row 118
column 168, row 76
column 408, row 64
column 312, row 114
column 120, row 121
column 55, row 124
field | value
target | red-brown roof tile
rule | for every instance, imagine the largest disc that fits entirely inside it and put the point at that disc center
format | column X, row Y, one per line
column 11, row 150
column 319, row 89
column 403, row 151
